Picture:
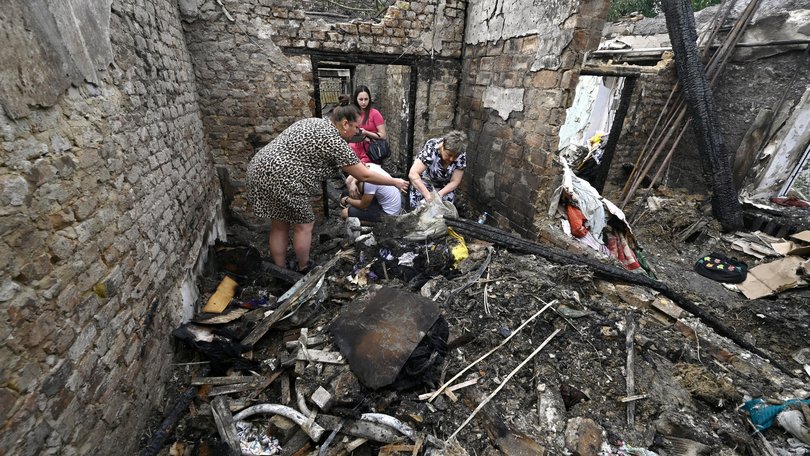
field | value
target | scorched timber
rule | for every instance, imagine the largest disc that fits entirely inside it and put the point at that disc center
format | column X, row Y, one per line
column 511, row 241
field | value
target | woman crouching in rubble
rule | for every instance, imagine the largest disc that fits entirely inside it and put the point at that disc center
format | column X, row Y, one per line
column 439, row 166
column 282, row 176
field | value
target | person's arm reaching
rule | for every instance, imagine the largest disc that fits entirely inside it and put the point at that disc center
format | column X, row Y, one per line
column 361, row 203
column 415, row 176
column 455, row 180
column 360, row 172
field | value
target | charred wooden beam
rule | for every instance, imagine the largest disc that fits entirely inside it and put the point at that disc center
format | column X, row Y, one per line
column 161, row 434
column 700, row 102
column 560, row 256
column 602, row 171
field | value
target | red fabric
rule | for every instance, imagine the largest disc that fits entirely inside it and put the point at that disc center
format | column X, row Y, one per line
column 791, row 201
column 619, row 249
column 577, row 221
column 375, row 119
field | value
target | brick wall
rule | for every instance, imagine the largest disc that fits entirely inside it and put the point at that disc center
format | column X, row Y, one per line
column 520, row 70
column 275, row 86
column 106, row 198
column 761, row 83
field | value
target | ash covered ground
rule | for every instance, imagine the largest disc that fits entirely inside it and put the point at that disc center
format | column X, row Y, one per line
column 571, row 397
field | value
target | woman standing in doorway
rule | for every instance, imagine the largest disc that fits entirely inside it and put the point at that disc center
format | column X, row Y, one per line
column 371, row 127
column 283, row 174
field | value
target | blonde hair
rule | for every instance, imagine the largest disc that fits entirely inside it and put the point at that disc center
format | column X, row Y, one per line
column 455, row 142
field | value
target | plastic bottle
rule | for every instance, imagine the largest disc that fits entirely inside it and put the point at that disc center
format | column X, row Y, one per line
column 483, row 218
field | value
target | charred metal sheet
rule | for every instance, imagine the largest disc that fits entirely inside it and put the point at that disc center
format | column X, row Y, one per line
column 378, row 333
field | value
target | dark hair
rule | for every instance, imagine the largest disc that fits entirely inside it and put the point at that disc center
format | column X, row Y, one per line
column 357, row 91
column 345, row 110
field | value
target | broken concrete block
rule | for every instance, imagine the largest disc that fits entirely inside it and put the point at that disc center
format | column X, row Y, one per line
column 583, row 437
column 348, row 389
column 282, row 428
column 635, row 296
column 323, row 399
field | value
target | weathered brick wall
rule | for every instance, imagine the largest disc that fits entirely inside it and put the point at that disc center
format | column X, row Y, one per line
column 649, row 96
column 106, row 197
column 275, row 88
column 740, row 93
column 521, row 64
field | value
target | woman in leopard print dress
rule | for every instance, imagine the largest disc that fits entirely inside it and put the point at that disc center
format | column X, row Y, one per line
column 285, row 173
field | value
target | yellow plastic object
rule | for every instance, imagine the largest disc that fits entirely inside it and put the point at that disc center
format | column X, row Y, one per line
column 595, row 139
column 459, row 251
column 222, row 297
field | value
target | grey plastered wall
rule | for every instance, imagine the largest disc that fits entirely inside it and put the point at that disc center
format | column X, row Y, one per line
column 520, row 68
column 107, row 192
column 251, row 86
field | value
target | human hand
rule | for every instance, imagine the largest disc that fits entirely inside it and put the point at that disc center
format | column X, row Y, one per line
column 354, row 190
column 344, row 202
column 402, row 185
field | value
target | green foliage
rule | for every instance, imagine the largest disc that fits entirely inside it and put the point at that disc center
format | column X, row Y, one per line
column 620, row 8
column 649, row 8
column 698, row 5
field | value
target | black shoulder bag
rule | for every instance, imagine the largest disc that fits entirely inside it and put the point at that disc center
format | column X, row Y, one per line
column 378, row 150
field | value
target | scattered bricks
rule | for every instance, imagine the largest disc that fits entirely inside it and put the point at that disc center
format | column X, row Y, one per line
column 282, row 428
column 323, row 399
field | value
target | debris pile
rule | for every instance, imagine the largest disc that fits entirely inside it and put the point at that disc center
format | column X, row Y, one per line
column 394, row 346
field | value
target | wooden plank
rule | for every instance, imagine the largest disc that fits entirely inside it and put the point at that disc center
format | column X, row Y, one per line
column 225, row 424
column 750, row 145
column 321, row 356
column 302, row 289
column 228, row 380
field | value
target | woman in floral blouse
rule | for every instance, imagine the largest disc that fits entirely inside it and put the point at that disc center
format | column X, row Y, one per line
column 440, row 167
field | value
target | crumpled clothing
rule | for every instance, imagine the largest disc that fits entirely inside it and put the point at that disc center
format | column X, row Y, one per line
column 620, row 249
column 587, row 199
column 406, row 259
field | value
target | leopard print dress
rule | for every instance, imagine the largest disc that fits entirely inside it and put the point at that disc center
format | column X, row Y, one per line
column 284, row 174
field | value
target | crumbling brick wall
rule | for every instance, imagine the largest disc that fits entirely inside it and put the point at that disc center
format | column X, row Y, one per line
column 267, row 44
column 521, row 66
column 744, row 88
column 107, row 196
column 649, row 96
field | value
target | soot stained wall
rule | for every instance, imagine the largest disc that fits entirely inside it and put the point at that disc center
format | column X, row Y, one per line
column 252, row 86
column 106, row 198
column 518, row 77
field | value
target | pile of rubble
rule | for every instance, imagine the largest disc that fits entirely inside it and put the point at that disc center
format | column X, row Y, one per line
column 503, row 346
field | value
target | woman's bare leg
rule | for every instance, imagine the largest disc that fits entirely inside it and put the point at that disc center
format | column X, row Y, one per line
column 302, row 241
column 279, row 238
